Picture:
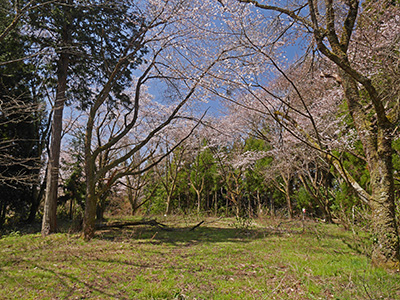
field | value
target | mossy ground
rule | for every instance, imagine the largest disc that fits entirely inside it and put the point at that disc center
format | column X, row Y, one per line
column 215, row 261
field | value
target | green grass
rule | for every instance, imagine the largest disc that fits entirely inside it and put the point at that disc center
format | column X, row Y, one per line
column 216, row 261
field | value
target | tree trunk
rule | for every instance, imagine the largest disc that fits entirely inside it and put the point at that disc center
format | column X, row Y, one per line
column 3, row 209
column 386, row 250
column 198, row 194
column 226, row 205
column 49, row 223
column 377, row 143
column 100, row 208
column 259, row 209
column 215, row 203
column 272, row 205
column 289, row 203
column 288, row 194
column 131, row 198
column 71, row 209
column 168, row 209
column 89, row 220
column 238, row 203
column 250, row 207
column 208, row 208
column 37, row 194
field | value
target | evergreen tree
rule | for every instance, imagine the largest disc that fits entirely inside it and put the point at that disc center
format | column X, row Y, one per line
column 84, row 41
column 20, row 124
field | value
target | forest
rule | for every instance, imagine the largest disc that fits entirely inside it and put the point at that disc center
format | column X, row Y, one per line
column 241, row 109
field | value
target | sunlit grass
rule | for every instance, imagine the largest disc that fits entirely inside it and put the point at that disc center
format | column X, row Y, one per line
column 271, row 260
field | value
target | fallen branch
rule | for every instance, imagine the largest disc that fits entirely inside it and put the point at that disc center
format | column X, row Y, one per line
column 149, row 222
column 193, row 228
column 137, row 223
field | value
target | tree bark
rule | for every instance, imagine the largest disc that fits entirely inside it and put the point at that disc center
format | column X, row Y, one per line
column 89, row 220
column 49, row 223
column 198, row 200
column 377, row 143
column 386, row 249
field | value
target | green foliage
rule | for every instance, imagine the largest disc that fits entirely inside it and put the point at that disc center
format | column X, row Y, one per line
column 345, row 197
column 93, row 35
column 278, row 197
column 157, row 203
column 303, row 199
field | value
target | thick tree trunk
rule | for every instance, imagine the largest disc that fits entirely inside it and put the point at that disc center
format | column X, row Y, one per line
column 49, row 223
column 386, row 251
column 377, row 143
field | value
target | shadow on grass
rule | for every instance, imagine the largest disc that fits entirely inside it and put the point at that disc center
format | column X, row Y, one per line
column 146, row 256
column 216, row 233
column 184, row 237
column 23, row 228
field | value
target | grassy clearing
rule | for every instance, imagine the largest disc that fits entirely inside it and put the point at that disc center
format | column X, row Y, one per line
column 216, row 261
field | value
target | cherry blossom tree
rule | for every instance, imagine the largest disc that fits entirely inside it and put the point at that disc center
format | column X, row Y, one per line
column 178, row 40
column 225, row 138
column 328, row 30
